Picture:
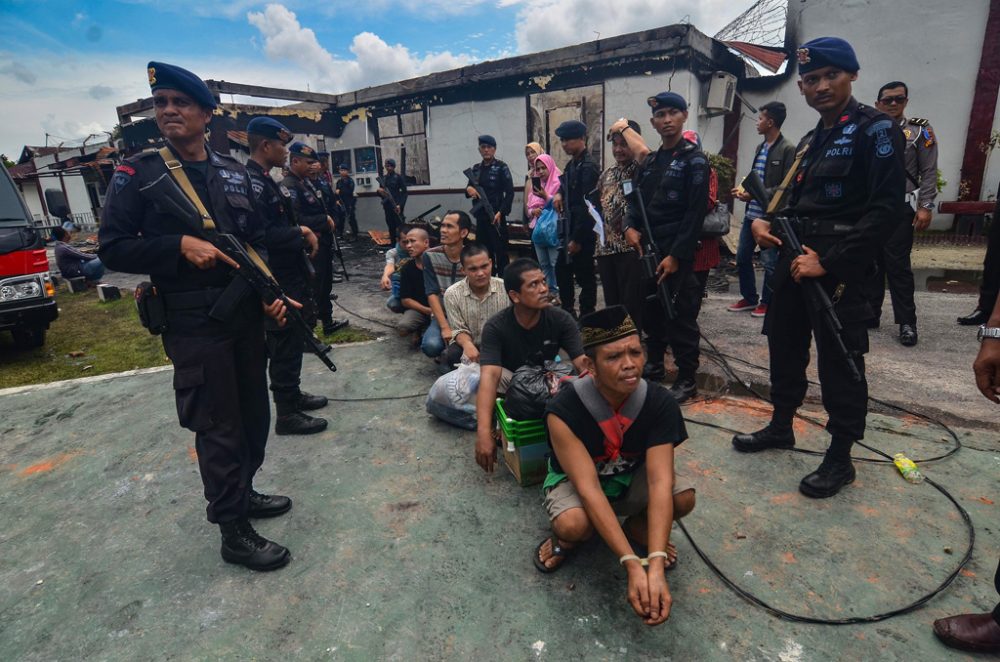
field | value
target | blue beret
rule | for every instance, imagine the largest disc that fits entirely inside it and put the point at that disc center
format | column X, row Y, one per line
column 487, row 139
column 571, row 129
column 827, row 52
column 170, row 77
column 391, row 162
column 667, row 100
column 268, row 127
column 303, row 150
column 343, row 166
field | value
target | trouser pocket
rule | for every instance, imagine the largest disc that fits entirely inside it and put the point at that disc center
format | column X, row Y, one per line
column 194, row 409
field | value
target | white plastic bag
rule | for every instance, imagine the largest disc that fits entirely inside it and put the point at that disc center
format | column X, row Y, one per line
column 452, row 398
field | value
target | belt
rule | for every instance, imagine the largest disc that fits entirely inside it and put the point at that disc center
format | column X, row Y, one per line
column 808, row 227
column 193, row 300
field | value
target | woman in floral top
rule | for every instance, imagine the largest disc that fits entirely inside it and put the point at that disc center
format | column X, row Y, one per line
column 617, row 263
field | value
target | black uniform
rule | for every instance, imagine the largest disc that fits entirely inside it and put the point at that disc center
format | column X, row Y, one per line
column 345, row 193
column 850, row 187
column 288, row 260
column 674, row 185
column 219, row 367
column 497, row 182
column 309, row 208
column 395, row 184
column 578, row 182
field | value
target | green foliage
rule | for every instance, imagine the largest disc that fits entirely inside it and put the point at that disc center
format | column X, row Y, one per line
column 7, row 162
column 725, row 170
column 941, row 181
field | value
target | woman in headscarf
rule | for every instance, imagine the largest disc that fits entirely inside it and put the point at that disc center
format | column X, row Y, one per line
column 531, row 152
column 547, row 173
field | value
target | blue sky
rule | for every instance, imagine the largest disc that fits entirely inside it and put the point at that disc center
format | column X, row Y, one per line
column 64, row 66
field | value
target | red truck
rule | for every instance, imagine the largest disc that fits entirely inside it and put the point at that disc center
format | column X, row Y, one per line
column 27, row 295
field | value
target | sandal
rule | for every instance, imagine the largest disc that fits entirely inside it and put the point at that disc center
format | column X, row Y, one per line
column 558, row 551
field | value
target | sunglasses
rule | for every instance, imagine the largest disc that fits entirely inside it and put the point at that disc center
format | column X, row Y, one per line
column 890, row 101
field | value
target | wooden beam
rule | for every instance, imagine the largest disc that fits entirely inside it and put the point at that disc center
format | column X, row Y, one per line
column 261, row 92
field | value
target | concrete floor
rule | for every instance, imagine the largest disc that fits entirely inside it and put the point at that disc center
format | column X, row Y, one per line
column 404, row 550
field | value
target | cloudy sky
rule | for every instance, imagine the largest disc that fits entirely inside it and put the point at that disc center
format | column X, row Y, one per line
column 64, row 66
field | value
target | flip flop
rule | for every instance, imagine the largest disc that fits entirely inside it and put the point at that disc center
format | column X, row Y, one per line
column 557, row 551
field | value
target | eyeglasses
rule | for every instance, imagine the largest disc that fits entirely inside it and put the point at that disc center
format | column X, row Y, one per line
column 890, row 101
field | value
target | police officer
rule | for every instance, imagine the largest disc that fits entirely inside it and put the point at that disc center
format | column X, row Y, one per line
column 345, row 193
column 496, row 181
column 319, row 175
column 287, row 243
column 310, row 210
column 674, row 185
column 846, row 190
column 393, row 192
column 579, row 181
column 219, row 365
column 893, row 261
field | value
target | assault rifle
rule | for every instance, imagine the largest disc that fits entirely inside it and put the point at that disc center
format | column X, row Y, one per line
column 253, row 273
column 482, row 202
column 817, row 297
column 392, row 201
column 651, row 258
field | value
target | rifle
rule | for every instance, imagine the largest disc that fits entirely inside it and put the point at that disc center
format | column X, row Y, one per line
column 811, row 287
column 482, row 202
column 392, row 201
column 340, row 256
column 565, row 221
column 419, row 218
column 651, row 258
column 253, row 273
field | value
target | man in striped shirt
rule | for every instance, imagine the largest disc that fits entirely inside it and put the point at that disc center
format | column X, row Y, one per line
column 470, row 302
column 442, row 269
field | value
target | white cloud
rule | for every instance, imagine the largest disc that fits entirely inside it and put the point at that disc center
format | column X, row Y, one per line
column 375, row 61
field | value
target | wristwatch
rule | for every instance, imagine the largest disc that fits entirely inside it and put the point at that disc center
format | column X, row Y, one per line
column 985, row 332
column 927, row 205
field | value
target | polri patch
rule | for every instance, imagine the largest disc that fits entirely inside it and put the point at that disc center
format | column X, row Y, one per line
column 833, row 190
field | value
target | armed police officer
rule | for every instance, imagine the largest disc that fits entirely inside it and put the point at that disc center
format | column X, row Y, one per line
column 845, row 200
column 494, row 178
column 893, row 261
column 579, row 182
column 311, row 210
column 287, row 245
column 393, row 192
column 673, row 182
column 219, row 360
column 345, row 193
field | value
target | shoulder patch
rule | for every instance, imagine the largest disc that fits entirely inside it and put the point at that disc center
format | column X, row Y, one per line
column 878, row 126
column 918, row 121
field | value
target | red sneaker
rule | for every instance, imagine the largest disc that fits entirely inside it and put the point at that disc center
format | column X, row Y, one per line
column 759, row 311
column 741, row 306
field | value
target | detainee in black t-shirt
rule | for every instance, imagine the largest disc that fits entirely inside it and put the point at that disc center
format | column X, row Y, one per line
column 530, row 332
column 613, row 436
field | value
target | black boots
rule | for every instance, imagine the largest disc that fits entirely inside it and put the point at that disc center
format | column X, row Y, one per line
column 308, row 402
column 769, row 437
column 244, row 546
column 908, row 335
column 267, row 505
column 975, row 318
column 683, row 389
column 832, row 475
column 291, row 420
column 332, row 326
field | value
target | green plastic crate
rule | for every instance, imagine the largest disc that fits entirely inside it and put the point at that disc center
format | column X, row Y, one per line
column 520, row 433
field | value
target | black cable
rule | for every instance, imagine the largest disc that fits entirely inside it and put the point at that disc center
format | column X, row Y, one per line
column 359, row 316
column 386, row 397
column 721, row 360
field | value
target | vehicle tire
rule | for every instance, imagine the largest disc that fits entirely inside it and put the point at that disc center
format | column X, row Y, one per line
column 29, row 338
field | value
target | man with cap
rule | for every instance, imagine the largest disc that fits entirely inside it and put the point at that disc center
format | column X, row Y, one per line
column 493, row 176
column 220, row 378
column 613, row 436
column 845, row 196
column 289, row 247
column 579, row 182
column 393, row 190
column 893, row 261
column 674, row 184
column 310, row 210
column 345, row 193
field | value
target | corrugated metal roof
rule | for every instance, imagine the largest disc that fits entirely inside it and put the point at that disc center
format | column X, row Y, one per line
column 769, row 57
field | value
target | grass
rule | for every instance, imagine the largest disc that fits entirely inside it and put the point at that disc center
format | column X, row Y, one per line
column 109, row 337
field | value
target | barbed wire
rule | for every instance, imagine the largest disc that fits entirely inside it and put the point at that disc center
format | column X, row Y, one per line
column 762, row 24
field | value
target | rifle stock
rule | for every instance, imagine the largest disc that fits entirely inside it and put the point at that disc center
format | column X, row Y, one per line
column 482, row 202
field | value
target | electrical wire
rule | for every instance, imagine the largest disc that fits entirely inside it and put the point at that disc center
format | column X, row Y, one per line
column 721, row 359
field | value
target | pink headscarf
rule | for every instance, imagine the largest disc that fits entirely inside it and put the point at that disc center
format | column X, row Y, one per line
column 551, row 185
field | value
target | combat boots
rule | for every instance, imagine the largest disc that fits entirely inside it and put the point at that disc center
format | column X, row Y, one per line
column 308, row 402
column 769, row 437
column 832, row 475
column 298, row 423
column 267, row 505
column 242, row 545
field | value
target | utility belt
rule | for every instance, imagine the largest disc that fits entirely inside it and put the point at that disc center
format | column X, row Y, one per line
column 156, row 308
column 809, row 227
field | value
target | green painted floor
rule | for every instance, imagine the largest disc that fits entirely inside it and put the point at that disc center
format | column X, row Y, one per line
column 404, row 550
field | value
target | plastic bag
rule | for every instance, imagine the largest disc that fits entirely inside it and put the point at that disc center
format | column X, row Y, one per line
column 546, row 232
column 531, row 387
column 452, row 398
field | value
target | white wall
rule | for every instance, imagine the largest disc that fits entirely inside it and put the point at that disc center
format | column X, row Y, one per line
column 29, row 191
column 452, row 131
column 934, row 50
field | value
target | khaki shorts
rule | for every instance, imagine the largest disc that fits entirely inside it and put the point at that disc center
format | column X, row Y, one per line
column 564, row 496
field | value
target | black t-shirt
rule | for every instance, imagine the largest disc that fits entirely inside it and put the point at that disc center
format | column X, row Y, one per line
column 508, row 344
column 659, row 422
column 411, row 283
